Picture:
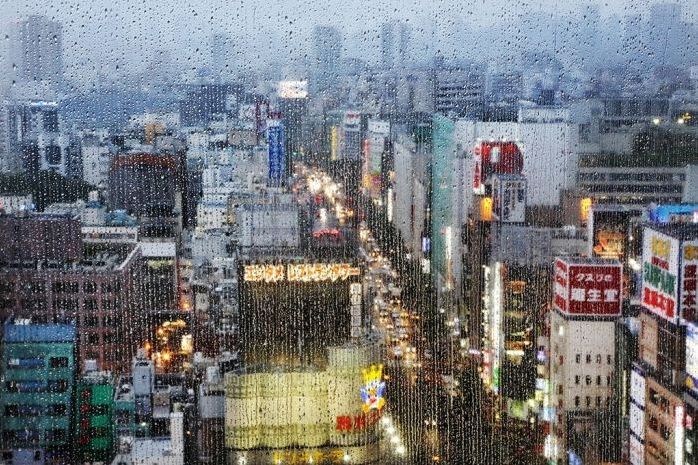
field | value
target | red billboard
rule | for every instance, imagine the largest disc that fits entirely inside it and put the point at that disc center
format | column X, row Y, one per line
column 495, row 158
column 584, row 287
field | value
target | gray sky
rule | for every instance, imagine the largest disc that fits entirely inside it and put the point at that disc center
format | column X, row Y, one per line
column 99, row 34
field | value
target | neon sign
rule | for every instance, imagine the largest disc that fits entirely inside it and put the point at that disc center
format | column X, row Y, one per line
column 374, row 388
column 306, row 273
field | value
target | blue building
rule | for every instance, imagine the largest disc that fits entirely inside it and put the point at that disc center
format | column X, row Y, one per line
column 36, row 395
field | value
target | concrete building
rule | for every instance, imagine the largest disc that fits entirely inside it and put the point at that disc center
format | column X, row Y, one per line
column 327, row 44
column 96, row 160
column 280, row 426
column 11, row 203
column 154, row 451
column 48, row 275
column 37, row 49
column 636, row 185
column 36, row 394
column 94, row 417
column 581, row 379
column 211, row 409
column 143, row 184
column 459, row 91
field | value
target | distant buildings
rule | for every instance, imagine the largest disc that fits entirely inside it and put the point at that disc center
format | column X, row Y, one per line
column 327, row 44
column 37, row 49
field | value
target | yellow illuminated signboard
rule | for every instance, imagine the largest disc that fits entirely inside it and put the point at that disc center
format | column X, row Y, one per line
column 304, row 272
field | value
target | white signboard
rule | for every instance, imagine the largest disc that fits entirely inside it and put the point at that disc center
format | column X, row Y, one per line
column 637, row 451
column 660, row 272
column 637, row 388
column 637, row 421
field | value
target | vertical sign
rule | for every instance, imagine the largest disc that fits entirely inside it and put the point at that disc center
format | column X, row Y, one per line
column 277, row 157
column 660, row 269
column 478, row 185
column 692, row 357
column 689, row 265
column 355, row 296
column 560, row 285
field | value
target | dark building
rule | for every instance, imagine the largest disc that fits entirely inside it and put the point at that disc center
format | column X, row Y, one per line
column 204, row 101
column 294, row 112
column 143, row 184
column 40, row 238
column 291, row 311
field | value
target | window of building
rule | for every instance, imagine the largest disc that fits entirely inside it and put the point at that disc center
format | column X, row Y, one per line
column 578, row 358
column 598, row 358
column 576, row 401
column 588, row 358
column 588, row 380
column 576, row 379
column 59, row 362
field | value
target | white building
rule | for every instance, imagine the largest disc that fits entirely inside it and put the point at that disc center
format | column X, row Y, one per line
column 549, row 152
column 587, row 300
column 410, row 187
column 96, row 158
column 269, row 225
column 154, row 451
column 11, row 203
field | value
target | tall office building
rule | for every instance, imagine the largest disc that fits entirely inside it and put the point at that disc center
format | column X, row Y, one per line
column 37, row 49
column 221, row 56
column 293, row 105
column 327, row 41
column 387, row 46
column 459, row 91
column 404, row 39
column 668, row 33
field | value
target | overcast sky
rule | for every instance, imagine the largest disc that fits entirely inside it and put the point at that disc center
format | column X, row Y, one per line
column 99, row 33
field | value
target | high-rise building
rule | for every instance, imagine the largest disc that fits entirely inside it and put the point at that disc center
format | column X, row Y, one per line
column 404, row 43
column 38, row 366
column 587, row 298
column 459, row 91
column 37, row 49
column 387, row 46
column 327, row 43
column 667, row 32
column 32, row 139
column 221, row 57
column 293, row 106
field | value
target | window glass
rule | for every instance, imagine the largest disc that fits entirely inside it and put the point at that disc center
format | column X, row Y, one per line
column 348, row 232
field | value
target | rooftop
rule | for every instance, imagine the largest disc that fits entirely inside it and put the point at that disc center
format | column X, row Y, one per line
column 23, row 331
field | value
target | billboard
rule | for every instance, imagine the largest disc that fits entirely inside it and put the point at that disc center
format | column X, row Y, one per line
column 292, row 89
column 588, row 287
column 689, row 266
column 608, row 232
column 277, row 157
column 495, row 157
column 679, row 213
column 692, row 358
column 334, row 143
column 660, row 269
column 638, row 386
column 509, row 194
